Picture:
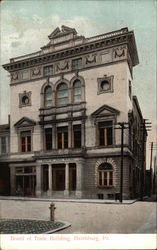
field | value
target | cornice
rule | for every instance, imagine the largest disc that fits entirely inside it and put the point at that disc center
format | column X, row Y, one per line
column 104, row 43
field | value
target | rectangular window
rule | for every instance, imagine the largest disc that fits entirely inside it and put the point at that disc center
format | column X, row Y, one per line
column 77, row 63
column 105, row 133
column 76, row 140
column 62, row 137
column 26, row 141
column 48, row 70
column 48, row 138
column 3, row 145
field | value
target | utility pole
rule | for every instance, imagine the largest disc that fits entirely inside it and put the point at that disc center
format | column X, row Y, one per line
column 145, row 127
column 154, row 179
column 151, row 168
column 121, row 169
column 122, row 127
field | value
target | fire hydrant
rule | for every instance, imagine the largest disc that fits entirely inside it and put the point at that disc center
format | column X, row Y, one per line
column 52, row 211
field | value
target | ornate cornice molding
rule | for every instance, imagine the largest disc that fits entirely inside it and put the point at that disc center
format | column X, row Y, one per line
column 97, row 44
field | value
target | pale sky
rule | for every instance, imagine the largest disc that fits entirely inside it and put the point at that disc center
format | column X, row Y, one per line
column 25, row 25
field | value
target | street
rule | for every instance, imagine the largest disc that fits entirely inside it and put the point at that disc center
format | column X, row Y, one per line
column 86, row 217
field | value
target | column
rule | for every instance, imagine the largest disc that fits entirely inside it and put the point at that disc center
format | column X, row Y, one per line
column 83, row 134
column 79, row 180
column 54, row 136
column 69, row 134
column 12, row 180
column 66, row 191
column 41, row 137
column 38, row 180
column 50, row 180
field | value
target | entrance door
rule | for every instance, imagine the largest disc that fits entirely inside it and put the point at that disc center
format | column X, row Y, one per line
column 72, row 178
column 58, row 179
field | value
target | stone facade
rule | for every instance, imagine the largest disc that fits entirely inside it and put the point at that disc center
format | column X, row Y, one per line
column 66, row 101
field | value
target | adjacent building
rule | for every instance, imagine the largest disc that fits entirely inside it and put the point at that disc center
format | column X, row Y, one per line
column 66, row 101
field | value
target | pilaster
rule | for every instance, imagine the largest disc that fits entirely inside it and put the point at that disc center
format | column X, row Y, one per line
column 66, row 191
column 38, row 180
column 79, row 176
column 50, row 180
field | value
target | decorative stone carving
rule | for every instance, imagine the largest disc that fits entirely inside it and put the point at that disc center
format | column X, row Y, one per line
column 36, row 71
column 90, row 59
column 62, row 66
column 119, row 52
column 14, row 76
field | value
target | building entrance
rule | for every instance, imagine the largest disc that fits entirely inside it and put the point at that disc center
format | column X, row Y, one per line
column 58, row 177
column 58, row 174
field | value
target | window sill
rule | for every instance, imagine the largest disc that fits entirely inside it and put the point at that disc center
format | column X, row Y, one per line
column 105, row 187
column 108, row 146
column 30, row 152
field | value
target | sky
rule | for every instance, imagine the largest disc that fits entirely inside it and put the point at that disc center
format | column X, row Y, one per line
column 26, row 24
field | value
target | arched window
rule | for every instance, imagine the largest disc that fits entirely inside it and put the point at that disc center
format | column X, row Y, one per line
column 48, row 96
column 62, row 95
column 105, row 175
column 77, row 91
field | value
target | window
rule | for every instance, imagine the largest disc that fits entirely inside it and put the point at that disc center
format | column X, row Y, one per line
column 62, row 95
column 48, row 96
column 48, row 70
column 24, row 99
column 76, row 139
column 26, row 141
column 48, row 138
column 105, row 175
column 77, row 91
column 77, row 63
column 62, row 137
column 3, row 145
column 105, row 84
column 105, row 133
column 130, row 90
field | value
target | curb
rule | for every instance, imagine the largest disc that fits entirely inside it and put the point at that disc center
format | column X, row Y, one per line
column 67, row 224
column 90, row 201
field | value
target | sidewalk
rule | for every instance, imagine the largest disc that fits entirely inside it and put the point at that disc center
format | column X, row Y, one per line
column 95, row 201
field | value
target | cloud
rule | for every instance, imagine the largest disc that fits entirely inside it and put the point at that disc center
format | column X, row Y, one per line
column 22, row 35
column 28, row 38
